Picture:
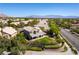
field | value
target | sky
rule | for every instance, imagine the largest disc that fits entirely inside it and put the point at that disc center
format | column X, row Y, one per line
column 27, row 9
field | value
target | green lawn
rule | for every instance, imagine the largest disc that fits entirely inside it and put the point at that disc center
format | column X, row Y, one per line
column 45, row 41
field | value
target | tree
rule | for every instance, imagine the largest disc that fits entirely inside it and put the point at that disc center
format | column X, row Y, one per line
column 1, row 24
column 9, row 22
column 14, row 45
column 15, row 51
column 21, row 42
column 1, row 50
column 53, row 27
column 32, row 23
column 65, row 23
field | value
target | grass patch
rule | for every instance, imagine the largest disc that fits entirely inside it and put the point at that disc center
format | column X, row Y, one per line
column 45, row 41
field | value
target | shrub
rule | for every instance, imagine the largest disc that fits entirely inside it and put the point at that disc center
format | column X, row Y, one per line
column 74, row 50
column 15, row 51
column 1, row 50
column 59, row 40
column 52, row 46
column 65, row 49
column 34, row 48
column 76, row 30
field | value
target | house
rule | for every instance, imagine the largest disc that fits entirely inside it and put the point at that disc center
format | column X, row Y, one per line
column 4, row 21
column 27, row 34
column 75, row 25
column 19, row 22
column 15, row 23
column 43, row 23
column 26, row 21
column 9, row 32
column 33, row 32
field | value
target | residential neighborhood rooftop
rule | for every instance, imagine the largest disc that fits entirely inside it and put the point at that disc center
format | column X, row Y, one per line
column 31, row 30
column 9, row 30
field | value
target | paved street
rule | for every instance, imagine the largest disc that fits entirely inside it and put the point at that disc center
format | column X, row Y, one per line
column 71, row 38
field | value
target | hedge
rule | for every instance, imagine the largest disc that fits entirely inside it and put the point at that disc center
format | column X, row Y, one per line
column 74, row 50
column 52, row 46
column 65, row 49
column 34, row 48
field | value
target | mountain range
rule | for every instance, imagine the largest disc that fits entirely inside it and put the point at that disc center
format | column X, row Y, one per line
column 3, row 15
column 46, row 16
column 51, row 16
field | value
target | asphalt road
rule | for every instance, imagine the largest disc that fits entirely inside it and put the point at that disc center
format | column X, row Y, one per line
column 71, row 38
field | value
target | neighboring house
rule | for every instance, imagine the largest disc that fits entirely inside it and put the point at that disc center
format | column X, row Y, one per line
column 26, row 21
column 43, row 23
column 22, row 21
column 33, row 32
column 17, row 19
column 4, row 21
column 75, row 25
column 15, row 23
column 9, row 32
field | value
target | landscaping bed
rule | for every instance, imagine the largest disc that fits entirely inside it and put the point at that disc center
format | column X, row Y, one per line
column 47, row 43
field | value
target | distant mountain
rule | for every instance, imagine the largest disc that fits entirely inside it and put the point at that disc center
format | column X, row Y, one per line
column 35, row 16
column 51, row 16
column 46, row 16
column 71, row 17
column 3, row 15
